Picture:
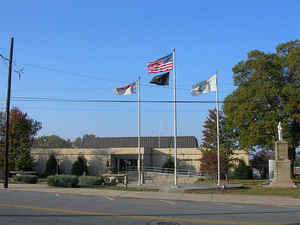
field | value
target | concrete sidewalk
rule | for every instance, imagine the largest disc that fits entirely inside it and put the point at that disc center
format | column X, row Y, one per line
column 181, row 188
column 173, row 194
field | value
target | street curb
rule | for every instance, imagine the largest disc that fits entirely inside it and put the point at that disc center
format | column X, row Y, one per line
column 220, row 198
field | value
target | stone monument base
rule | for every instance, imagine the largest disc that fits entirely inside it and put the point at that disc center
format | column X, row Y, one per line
column 282, row 174
column 282, row 185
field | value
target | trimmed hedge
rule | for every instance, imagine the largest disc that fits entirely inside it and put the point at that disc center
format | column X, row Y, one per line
column 28, row 179
column 63, row 181
column 90, row 181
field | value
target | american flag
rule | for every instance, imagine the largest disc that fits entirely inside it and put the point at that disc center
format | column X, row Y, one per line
column 161, row 65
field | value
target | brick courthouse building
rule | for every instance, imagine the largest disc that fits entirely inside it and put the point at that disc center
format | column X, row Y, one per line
column 121, row 153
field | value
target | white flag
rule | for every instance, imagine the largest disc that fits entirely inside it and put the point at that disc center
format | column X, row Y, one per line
column 206, row 86
column 127, row 90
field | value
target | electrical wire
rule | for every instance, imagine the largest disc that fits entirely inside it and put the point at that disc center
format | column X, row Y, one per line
column 98, row 78
column 20, row 71
column 42, row 99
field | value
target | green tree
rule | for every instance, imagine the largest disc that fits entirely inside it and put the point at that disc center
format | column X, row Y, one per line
column 22, row 130
column 87, row 141
column 24, row 160
column 79, row 167
column 52, row 141
column 77, row 143
column 51, row 165
column 268, row 91
column 242, row 171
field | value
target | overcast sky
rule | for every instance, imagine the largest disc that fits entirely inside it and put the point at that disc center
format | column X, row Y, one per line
column 84, row 49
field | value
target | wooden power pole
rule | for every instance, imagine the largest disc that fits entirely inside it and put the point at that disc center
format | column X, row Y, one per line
column 7, row 113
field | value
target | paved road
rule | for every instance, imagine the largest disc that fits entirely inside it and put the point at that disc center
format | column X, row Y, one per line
column 171, row 194
column 34, row 208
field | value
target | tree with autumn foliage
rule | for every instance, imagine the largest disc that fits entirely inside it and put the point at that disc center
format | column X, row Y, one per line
column 209, row 159
column 22, row 130
column 268, row 92
column 209, row 164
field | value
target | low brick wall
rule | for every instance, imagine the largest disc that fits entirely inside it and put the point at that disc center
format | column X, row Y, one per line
column 160, row 178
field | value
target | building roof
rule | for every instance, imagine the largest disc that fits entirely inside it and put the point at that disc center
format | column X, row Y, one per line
column 147, row 142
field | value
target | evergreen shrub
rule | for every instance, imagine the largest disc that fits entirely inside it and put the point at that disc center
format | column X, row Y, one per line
column 51, row 165
column 169, row 164
column 79, row 167
column 242, row 171
column 24, row 161
column 63, row 181
column 27, row 179
column 90, row 181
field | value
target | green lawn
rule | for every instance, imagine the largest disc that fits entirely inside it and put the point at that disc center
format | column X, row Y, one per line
column 253, row 187
column 253, row 190
column 232, row 181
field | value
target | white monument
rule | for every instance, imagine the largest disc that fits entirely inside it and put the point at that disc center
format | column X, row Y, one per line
column 279, row 132
column 282, row 164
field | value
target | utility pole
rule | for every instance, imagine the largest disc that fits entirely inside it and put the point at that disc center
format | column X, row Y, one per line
column 7, row 113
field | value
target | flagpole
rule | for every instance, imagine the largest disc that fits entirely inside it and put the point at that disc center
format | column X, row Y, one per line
column 175, row 121
column 139, row 133
column 218, row 134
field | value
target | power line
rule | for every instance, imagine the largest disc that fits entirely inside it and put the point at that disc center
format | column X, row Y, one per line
column 71, row 73
column 42, row 99
column 89, row 109
column 21, row 71
column 98, row 78
column 94, row 77
column 17, row 70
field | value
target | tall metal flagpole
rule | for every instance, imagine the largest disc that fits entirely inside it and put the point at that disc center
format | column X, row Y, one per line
column 139, row 133
column 6, row 167
column 218, row 134
column 175, row 121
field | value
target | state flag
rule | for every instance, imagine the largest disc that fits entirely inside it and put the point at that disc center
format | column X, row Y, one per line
column 127, row 90
column 206, row 86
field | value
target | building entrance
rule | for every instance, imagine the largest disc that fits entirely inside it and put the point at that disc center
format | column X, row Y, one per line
column 122, row 163
column 127, row 164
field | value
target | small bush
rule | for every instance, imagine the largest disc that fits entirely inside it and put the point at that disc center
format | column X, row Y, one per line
column 79, row 167
column 27, row 179
column 242, row 171
column 169, row 164
column 90, row 181
column 51, row 165
column 63, row 181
